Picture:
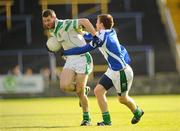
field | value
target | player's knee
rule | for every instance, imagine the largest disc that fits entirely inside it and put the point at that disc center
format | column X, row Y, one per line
column 123, row 99
column 64, row 86
column 79, row 89
column 97, row 91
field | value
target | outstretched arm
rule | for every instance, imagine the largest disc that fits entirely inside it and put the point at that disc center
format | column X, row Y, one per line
column 96, row 42
column 79, row 50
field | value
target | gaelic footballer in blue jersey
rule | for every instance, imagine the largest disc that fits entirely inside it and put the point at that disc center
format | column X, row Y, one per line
column 119, row 74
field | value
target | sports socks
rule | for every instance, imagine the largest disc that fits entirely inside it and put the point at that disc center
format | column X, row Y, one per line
column 137, row 112
column 106, row 117
column 86, row 116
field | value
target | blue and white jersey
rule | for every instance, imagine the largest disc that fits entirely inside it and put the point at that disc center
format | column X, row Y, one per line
column 112, row 50
column 115, row 54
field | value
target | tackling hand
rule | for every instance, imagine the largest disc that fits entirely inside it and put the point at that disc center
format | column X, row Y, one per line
column 97, row 42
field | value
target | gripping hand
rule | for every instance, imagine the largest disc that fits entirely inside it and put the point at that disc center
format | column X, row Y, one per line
column 96, row 42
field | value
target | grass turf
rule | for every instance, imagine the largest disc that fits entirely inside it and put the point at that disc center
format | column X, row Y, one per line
column 162, row 113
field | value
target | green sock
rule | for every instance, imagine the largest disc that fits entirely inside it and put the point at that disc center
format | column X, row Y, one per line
column 86, row 116
column 106, row 117
column 137, row 112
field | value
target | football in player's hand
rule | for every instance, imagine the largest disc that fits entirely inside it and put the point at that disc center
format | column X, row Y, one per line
column 53, row 45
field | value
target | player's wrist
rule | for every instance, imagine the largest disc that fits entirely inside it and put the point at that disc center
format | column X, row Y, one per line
column 94, row 33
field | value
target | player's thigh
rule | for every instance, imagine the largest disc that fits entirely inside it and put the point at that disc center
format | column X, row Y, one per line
column 81, row 80
column 67, row 77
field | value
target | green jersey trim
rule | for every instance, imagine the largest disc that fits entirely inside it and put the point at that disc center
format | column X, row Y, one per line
column 58, row 27
column 75, row 26
column 68, row 24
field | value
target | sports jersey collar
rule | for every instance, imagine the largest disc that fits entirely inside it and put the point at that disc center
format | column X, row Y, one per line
column 107, row 30
column 56, row 23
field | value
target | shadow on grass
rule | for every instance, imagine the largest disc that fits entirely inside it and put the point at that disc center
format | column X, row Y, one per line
column 16, row 127
column 24, row 115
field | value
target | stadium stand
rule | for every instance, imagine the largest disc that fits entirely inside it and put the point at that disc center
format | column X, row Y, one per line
column 153, row 31
column 169, row 11
column 174, row 7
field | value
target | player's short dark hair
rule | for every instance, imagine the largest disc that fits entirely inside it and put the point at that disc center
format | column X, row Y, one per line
column 48, row 12
column 107, row 20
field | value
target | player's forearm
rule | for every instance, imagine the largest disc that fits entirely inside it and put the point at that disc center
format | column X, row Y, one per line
column 79, row 50
column 88, row 26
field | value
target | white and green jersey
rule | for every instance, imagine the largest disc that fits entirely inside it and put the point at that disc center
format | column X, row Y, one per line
column 66, row 33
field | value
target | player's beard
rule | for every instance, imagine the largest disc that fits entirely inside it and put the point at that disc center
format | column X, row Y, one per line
column 50, row 26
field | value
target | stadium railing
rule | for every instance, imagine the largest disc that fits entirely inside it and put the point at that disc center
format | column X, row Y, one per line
column 27, row 19
column 142, row 56
column 75, row 3
column 146, row 53
column 137, row 18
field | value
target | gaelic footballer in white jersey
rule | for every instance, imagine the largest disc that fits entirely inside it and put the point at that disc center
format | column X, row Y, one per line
column 73, row 77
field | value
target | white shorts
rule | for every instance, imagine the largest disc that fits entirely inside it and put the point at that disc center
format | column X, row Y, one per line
column 122, row 80
column 79, row 63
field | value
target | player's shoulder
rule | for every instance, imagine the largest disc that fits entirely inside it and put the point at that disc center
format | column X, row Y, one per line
column 60, row 20
column 104, row 33
column 63, row 20
column 67, row 20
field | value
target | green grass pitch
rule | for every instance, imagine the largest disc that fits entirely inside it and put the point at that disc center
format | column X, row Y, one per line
column 162, row 113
